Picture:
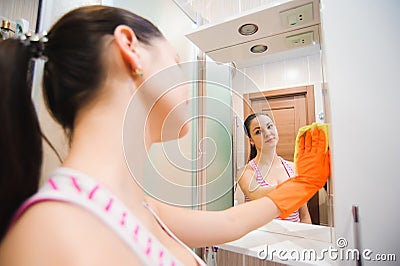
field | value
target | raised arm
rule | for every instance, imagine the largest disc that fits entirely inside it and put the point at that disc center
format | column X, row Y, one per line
column 204, row 228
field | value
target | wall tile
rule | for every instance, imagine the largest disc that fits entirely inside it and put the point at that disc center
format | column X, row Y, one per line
column 315, row 68
column 274, row 75
column 255, row 80
column 296, row 72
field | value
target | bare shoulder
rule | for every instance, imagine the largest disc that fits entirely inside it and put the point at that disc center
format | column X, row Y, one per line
column 244, row 172
column 57, row 233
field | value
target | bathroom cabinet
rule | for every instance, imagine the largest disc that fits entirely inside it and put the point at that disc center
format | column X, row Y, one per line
column 228, row 258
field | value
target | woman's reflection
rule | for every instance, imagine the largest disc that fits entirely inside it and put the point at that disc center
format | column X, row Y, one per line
column 265, row 168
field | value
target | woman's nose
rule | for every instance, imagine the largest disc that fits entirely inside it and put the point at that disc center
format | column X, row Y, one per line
column 266, row 132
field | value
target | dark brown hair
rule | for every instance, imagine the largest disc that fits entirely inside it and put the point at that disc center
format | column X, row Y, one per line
column 20, row 141
column 72, row 75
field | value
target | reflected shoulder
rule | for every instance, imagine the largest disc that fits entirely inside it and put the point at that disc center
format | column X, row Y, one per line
column 244, row 172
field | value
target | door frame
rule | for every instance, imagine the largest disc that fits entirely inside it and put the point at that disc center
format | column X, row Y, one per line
column 307, row 91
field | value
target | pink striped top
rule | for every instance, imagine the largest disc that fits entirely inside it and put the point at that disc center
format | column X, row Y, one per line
column 74, row 187
column 295, row 216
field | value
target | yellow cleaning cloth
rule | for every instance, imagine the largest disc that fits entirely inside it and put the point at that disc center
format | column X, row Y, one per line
column 303, row 130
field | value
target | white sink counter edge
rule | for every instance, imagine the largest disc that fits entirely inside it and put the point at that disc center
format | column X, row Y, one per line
column 272, row 242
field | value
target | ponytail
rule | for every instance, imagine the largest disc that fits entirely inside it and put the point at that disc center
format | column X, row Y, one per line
column 253, row 152
column 20, row 137
column 246, row 124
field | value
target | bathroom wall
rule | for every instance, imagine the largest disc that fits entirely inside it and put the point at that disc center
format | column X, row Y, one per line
column 13, row 9
column 363, row 87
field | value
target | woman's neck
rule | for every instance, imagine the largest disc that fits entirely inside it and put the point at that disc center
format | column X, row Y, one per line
column 266, row 157
column 97, row 149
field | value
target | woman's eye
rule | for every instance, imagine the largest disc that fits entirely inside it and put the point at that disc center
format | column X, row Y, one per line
column 258, row 132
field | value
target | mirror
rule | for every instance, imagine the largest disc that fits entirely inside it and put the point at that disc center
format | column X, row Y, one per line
column 284, row 79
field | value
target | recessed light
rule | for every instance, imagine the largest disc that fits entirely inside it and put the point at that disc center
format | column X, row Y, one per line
column 259, row 48
column 248, row 29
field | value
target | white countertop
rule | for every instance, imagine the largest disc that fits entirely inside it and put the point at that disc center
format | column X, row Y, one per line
column 286, row 242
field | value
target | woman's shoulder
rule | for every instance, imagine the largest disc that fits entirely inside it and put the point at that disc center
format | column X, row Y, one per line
column 245, row 171
column 65, row 232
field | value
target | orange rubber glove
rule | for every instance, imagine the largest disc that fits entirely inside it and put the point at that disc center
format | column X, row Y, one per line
column 313, row 170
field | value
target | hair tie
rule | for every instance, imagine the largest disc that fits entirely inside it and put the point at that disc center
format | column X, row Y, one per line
column 36, row 44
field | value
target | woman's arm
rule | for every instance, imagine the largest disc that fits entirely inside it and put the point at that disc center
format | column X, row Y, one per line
column 304, row 214
column 205, row 228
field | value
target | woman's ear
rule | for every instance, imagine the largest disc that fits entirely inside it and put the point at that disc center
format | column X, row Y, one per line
column 128, row 45
column 251, row 141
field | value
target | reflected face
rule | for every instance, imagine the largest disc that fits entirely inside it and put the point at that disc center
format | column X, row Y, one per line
column 263, row 132
column 168, row 114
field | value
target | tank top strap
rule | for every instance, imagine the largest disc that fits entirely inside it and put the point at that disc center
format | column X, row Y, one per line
column 288, row 168
column 256, row 169
column 172, row 235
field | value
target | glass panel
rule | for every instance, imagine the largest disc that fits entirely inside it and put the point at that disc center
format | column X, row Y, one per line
column 218, row 122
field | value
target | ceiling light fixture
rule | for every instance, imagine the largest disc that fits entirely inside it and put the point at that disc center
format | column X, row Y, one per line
column 259, row 48
column 248, row 29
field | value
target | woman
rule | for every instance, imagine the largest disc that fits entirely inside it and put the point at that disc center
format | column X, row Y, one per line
column 91, row 212
column 265, row 169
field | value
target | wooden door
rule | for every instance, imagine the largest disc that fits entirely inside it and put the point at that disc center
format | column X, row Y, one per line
column 289, row 113
column 290, row 109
